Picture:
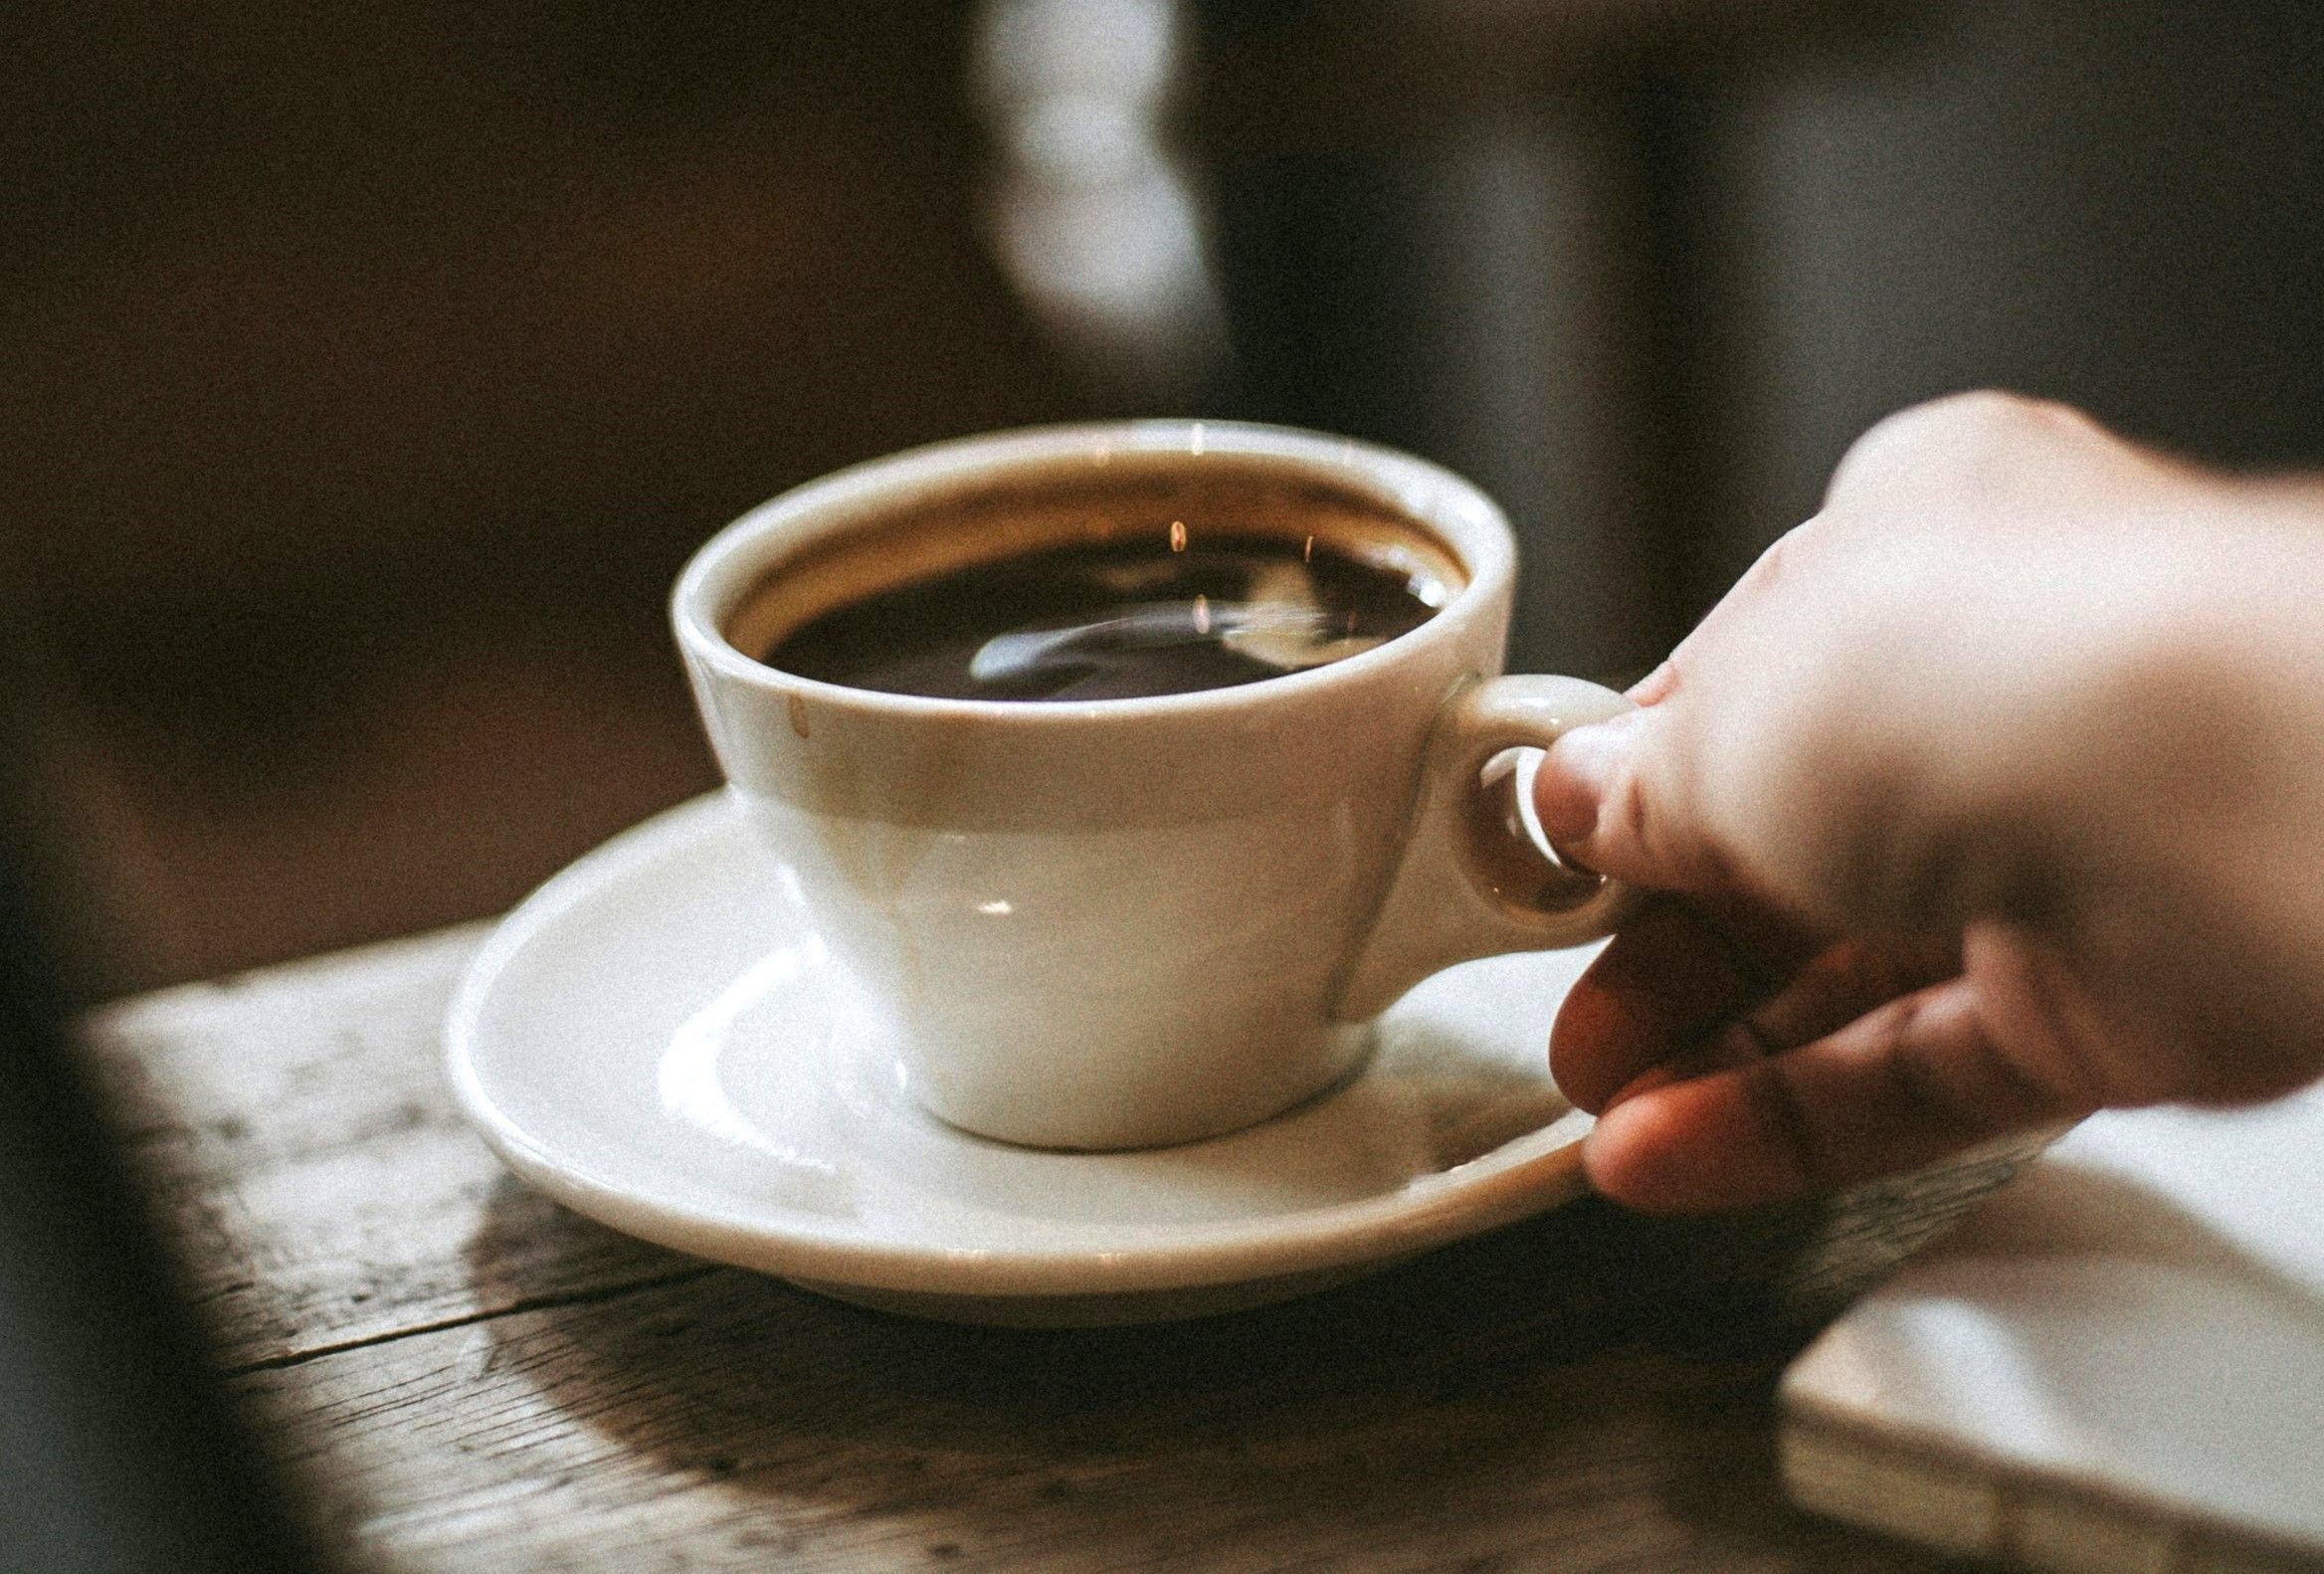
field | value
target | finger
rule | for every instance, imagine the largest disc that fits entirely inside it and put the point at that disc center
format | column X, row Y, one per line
column 1607, row 796
column 1576, row 772
column 1767, row 944
column 1670, row 977
column 1660, row 983
column 1725, row 1048
column 1656, row 685
column 1915, row 1080
column 1839, row 983
column 1843, row 981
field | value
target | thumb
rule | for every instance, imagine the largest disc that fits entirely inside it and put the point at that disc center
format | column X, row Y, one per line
column 1610, row 796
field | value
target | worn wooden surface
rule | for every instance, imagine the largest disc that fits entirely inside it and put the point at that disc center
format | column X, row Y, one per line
column 463, row 1376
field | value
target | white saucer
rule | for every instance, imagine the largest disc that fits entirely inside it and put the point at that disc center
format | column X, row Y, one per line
column 656, row 1039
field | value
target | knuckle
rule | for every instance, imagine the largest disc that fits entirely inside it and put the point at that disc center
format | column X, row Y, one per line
column 1980, row 420
column 1660, row 836
column 1924, row 1098
column 1786, row 1128
column 1658, row 685
column 1769, row 568
column 1634, row 812
column 1977, row 442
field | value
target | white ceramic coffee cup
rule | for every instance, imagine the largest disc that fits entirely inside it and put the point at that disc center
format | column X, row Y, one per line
column 1126, row 922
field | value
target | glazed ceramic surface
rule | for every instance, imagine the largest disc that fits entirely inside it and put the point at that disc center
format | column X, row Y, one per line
column 1129, row 923
column 660, row 1039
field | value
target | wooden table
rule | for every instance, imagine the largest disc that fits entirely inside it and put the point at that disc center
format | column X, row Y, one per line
column 465, row 1376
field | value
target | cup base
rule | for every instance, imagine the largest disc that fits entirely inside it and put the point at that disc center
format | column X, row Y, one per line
column 1119, row 1123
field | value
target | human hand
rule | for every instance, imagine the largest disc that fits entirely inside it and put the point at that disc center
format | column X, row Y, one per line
column 1968, row 798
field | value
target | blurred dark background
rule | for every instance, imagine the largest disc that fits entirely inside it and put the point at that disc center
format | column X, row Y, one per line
column 366, row 373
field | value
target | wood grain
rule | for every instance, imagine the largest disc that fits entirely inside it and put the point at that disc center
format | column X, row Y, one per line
column 296, row 1130
column 463, row 1376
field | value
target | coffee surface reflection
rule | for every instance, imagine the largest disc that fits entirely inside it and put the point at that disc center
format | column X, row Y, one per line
column 1173, row 612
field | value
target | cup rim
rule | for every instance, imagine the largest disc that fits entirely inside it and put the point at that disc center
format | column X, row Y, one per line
column 1456, row 510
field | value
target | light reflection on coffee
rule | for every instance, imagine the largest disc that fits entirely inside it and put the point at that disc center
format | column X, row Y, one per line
column 1162, row 610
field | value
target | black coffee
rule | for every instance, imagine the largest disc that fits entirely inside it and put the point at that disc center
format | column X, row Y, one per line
column 1168, row 612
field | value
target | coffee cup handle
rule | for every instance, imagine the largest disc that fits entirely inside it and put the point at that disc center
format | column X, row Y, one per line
column 1471, row 882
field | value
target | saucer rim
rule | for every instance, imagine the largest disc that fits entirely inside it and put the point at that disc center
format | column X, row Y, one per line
column 1499, row 1187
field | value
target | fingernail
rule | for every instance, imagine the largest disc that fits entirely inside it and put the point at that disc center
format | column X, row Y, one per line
column 1574, row 777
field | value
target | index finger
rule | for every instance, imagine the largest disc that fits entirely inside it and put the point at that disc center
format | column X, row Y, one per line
column 1667, row 980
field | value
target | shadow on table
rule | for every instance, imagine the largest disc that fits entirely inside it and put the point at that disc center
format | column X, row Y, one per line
column 1591, row 1381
